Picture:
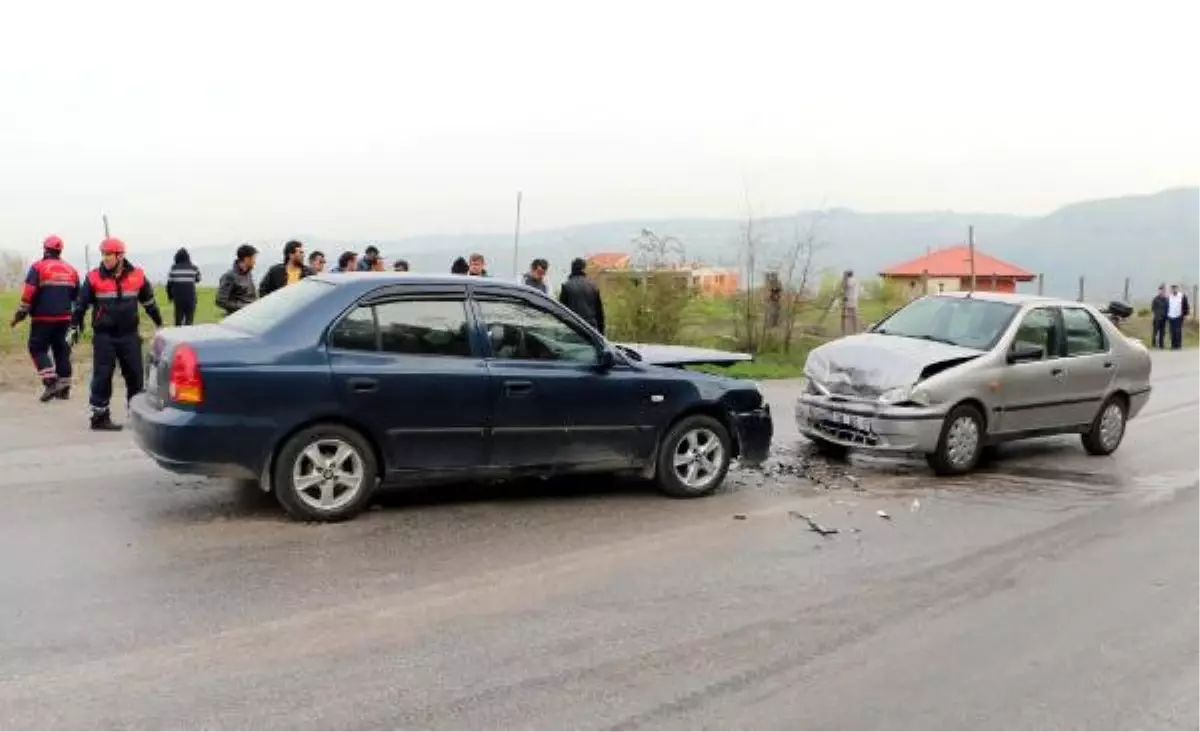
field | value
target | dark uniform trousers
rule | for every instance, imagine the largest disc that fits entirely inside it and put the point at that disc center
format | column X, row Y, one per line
column 48, row 338
column 109, row 350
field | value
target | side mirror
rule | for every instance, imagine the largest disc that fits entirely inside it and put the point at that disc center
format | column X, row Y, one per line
column 1024, row 354
column 607, row 360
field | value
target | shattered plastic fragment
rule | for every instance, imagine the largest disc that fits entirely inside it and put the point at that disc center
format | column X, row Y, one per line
column 883, row 514
column 739, row 517
column 916, row 505
column 812, row 524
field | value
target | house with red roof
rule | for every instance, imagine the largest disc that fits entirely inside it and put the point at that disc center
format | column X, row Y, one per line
column 949, row 270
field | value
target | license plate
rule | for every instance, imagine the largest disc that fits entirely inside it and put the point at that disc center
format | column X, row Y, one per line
column 854, row 421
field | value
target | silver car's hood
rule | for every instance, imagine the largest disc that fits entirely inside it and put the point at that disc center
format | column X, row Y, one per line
column 870, row 364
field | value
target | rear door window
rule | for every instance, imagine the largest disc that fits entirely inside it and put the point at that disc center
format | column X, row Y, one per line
column 1084, row 336
column 406, row 327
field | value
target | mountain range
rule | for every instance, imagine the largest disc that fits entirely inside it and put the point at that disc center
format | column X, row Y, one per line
column 1148, row 238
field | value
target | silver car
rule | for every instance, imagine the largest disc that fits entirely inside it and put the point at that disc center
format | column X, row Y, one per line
column 949, row 375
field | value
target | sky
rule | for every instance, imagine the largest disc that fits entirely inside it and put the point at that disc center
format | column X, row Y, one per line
column 221, row 121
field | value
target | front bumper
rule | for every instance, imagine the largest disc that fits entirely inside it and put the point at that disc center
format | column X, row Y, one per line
column 195, row 443
column 754, row 432
column 869, row 426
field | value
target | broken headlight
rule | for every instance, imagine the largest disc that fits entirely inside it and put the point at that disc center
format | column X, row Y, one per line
column 905, row 395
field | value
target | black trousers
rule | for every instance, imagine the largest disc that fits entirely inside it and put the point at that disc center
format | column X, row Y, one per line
column 109, row 351
column 46, row 339
column 185, row 312
column 1160, row 331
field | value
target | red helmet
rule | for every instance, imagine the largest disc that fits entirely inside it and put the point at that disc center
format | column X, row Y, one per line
column 53, row 243
column 112, row 245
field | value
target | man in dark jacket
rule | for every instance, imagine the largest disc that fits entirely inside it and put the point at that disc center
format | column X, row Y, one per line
column 347, row 262
column 536, row 276
column 51, row 287
column 288, row 272
column 236, row 289
column 369, row 259
column 1158, row 310
column 181, row 288
column 114, row 290
column 582, row 297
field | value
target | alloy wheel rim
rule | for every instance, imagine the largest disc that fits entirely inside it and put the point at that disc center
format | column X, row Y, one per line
column 328, row 474
column 698, row 458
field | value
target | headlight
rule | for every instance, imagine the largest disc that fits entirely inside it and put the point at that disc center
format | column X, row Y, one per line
column 902, row 394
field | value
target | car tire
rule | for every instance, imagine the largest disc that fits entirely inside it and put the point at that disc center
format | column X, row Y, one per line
column 697, row 446
column 961, row 443
column 1108, row 428
column 325, row 473
column 828, row 449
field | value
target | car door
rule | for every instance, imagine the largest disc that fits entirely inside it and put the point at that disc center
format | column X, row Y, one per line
column 1090, row 365
column 1032, row 391
column 553, row 405
column 408, row 366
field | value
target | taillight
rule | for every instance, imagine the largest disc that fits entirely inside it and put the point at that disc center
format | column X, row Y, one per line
column 185, row 385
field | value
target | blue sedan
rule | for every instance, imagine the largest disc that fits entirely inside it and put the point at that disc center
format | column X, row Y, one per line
column 330, row 388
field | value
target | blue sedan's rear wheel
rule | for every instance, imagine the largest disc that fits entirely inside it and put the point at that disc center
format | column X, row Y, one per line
column 325, row 472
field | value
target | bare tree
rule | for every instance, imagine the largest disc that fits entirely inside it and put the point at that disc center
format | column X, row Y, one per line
column 798, row 271
column 12, row 271
column 747, row 316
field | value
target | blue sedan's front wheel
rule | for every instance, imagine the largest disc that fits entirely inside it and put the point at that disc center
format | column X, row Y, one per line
column 326, row 472
column 694, row 457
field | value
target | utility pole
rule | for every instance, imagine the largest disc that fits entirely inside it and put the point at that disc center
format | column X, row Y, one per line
column 104, row 218
column 517, row 239
column 971, row 246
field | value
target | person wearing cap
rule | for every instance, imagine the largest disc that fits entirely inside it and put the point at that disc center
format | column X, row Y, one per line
column 369, row 258
column 113, row 291
column 51, row 287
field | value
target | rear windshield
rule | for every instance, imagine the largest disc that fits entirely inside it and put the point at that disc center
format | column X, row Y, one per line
column 960, row 321
column 265, row 313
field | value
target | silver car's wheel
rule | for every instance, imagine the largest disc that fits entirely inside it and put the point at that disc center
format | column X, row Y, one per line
column 325, row 473
column 961, row 443
column 1108, row 428
column 328, row 474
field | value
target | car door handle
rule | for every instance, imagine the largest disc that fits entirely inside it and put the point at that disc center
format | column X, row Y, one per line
column 1108, row 364
column 517, row 388
column 1056, row 371
column 363, row 385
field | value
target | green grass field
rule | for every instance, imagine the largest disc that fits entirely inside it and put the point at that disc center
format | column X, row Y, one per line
column 707, row 322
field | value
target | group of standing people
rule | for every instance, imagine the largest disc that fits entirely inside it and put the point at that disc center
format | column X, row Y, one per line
column 56, row 300
column 1169, row 310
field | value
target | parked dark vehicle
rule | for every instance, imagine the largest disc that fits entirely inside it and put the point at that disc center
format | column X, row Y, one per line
column 331, row 387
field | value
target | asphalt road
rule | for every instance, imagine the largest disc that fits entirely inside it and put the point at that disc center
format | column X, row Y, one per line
column 1054, row 591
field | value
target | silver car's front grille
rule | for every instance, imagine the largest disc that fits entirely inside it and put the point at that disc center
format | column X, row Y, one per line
column 846, row 433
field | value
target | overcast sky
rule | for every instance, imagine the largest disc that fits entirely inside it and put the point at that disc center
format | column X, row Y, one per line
column 219, row 121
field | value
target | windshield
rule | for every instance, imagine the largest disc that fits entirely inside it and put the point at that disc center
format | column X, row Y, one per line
column 960, row 321
column 265, row 313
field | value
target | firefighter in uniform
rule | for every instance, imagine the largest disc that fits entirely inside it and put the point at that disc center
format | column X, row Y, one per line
column 50, row 291
column 113, row 291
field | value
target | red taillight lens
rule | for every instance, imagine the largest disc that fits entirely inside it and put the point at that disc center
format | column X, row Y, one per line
column 185, row 385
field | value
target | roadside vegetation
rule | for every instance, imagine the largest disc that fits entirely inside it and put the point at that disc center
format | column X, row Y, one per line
column 657, row 308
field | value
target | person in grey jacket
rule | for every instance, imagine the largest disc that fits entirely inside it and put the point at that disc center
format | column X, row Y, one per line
column 536, row 276
column 237, row 289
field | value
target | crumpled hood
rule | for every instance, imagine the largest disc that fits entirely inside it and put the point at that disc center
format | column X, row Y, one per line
column 869, row 364
column 682, row 355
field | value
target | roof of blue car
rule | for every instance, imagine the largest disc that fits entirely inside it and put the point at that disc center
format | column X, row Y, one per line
column 401, row 277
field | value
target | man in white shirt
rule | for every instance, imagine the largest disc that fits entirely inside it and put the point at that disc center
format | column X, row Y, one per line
column 1176, row 312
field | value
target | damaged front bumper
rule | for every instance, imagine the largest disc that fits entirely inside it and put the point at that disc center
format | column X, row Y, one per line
column 754, row 431
column 869, row 425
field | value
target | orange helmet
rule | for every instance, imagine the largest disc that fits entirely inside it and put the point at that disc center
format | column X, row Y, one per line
column 112, row 246
column 53, row 243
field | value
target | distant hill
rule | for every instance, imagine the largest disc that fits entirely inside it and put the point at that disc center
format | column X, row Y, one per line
column 1150, row 238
